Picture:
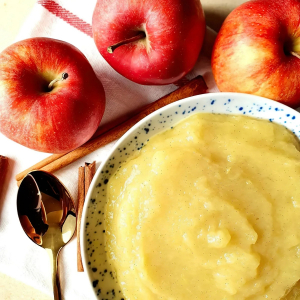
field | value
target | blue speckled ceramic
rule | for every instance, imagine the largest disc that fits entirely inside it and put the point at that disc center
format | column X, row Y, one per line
column 99, row 271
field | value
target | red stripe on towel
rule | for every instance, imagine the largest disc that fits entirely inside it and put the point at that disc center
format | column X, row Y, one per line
column 67, row 16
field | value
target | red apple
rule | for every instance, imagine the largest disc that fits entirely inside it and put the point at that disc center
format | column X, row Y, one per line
column 54, row 119
column 257, row 51
column 158, row 41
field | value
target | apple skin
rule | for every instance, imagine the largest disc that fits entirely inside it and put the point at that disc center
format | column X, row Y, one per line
column 57, row 120
column 174, row 35
column 256, row 51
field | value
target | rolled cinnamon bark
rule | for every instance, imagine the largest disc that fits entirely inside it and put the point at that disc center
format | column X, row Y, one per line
column 3, row 171
column 85, row 177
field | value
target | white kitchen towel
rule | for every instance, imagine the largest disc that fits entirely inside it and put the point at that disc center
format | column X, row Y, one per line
column 69, row 21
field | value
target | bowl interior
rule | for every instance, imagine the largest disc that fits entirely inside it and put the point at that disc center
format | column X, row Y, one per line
column 100, row 273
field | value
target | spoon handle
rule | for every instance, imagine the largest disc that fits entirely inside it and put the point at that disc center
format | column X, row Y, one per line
column 53, row 256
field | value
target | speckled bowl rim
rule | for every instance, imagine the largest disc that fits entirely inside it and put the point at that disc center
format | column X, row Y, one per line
column 210, row 97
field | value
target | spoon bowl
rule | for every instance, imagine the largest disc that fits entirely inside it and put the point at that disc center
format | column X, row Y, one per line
column 47, row 215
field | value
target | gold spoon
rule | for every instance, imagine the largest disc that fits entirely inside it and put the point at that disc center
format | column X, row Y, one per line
column 47, row 214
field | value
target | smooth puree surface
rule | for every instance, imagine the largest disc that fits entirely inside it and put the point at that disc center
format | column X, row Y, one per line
column 209, row 209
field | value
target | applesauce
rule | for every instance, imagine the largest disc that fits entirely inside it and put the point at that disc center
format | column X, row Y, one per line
column 209, row 209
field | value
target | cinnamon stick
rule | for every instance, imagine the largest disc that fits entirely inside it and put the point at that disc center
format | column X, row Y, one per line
column 39, row 165
column 3, row 171
column 89, row 172
column 85, row 176
column 194, row 87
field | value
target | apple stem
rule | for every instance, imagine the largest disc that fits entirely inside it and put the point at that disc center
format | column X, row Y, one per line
column 295, row 54
column 63, row 77
column 112, row 48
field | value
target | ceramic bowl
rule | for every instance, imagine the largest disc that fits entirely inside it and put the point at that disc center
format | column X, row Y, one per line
column 95, row 261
